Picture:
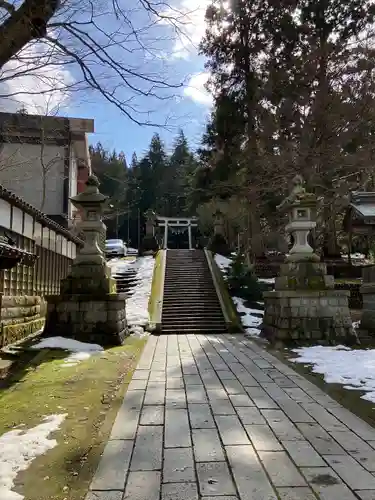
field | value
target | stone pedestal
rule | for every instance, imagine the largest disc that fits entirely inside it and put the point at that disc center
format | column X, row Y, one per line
column 304, row 307
column 98, row 320
column 88, row 308
column 367, row 324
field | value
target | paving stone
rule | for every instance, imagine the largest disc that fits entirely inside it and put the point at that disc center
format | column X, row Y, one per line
column 175, row 383
column 354, row 423
column 104, row 495
column 355, row 476
column 200, row 416
column 326, row 483
column 207, row 445
column 222, row 498
column 326, row 420
column 261, row 398
column 351, row 442
column 222, row 407
column 262, row 438
column 179, row 491
column 296, row 494
column 156, row 376
column 303, row 454
column 176, row 398
column 320, row 439
column 226, row 375
column 192, row 380
column 299, row 395
column 281, row 469
column 214, row 479
column 196, row 394
column 294, row 411
column 231, row 430
column 126, row 422
column 148, row 447
column 233, row 387
column 282, row 426
column 152, row 415
column 365, row 494
column 137, row 385
column 141, row 375
column 250, row 415
column 113, row 466
column 177, row 430
column 251, row 480
column 178, row 465
column 189, row 369
column 240, row 400
column 155, row 394
column 143, row 485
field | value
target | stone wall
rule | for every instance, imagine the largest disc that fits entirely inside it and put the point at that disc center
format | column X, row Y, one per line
column 21, row 316
column 308, row 316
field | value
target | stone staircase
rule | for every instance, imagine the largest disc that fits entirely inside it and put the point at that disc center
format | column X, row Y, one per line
column 125, row 279
column 190, row 302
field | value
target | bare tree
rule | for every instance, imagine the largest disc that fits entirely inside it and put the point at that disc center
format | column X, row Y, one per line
column 119, row 52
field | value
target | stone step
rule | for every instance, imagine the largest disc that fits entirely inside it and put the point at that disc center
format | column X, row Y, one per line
column 188, row 320
column 194, row 329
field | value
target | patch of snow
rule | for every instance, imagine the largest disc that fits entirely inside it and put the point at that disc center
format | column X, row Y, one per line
column 18, row 448
column 80, row 350
column 222, row 262
column 137, row 303
column 248, row 320
column 120, row 264
column 352, row 368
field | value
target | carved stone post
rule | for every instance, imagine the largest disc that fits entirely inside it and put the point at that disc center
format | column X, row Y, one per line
column 304, row 305
column 88, row 307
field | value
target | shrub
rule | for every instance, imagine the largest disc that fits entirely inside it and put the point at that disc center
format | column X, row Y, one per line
column 242, row 281
column 218, row 244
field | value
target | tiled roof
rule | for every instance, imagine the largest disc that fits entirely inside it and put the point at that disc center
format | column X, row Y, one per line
column 37, row 214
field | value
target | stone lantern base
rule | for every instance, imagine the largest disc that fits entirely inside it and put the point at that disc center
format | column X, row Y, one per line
column 305, row 308
column 84, row 317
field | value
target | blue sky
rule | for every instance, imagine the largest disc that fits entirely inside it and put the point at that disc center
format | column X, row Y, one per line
column 157, row 53
column 175, row 60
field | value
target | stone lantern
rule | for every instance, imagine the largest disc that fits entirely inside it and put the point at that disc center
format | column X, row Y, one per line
column 218, row 222
column 304, row 306
column 150, row 222
column 88, row 307
column 218, row 242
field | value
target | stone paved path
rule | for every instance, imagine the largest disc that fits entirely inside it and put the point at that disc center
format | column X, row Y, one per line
column 218, row 418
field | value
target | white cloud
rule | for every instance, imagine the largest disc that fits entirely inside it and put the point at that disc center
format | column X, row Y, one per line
column 196, row 91
column 35, row 80
column 190, row 16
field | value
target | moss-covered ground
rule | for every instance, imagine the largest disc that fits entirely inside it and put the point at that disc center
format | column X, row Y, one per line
column 90, row 393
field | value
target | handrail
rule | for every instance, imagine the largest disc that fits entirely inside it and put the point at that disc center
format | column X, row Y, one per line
column 208, row 255
column 161, row 288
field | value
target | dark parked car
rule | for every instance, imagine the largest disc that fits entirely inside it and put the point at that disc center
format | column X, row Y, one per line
column 115, row 248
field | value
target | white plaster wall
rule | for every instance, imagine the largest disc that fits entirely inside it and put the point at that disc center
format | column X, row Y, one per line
column 73, row 179
column 21, row 172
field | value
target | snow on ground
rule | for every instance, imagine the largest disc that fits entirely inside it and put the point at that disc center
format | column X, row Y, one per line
column 120, row 264
column 222, row 262
column 270, row 281
column 19, row 448
column 249, row 321
column 352, row 368
column 79, row 350
column 137, row 303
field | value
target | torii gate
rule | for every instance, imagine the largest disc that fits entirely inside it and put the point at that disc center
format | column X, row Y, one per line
column 179, row 222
